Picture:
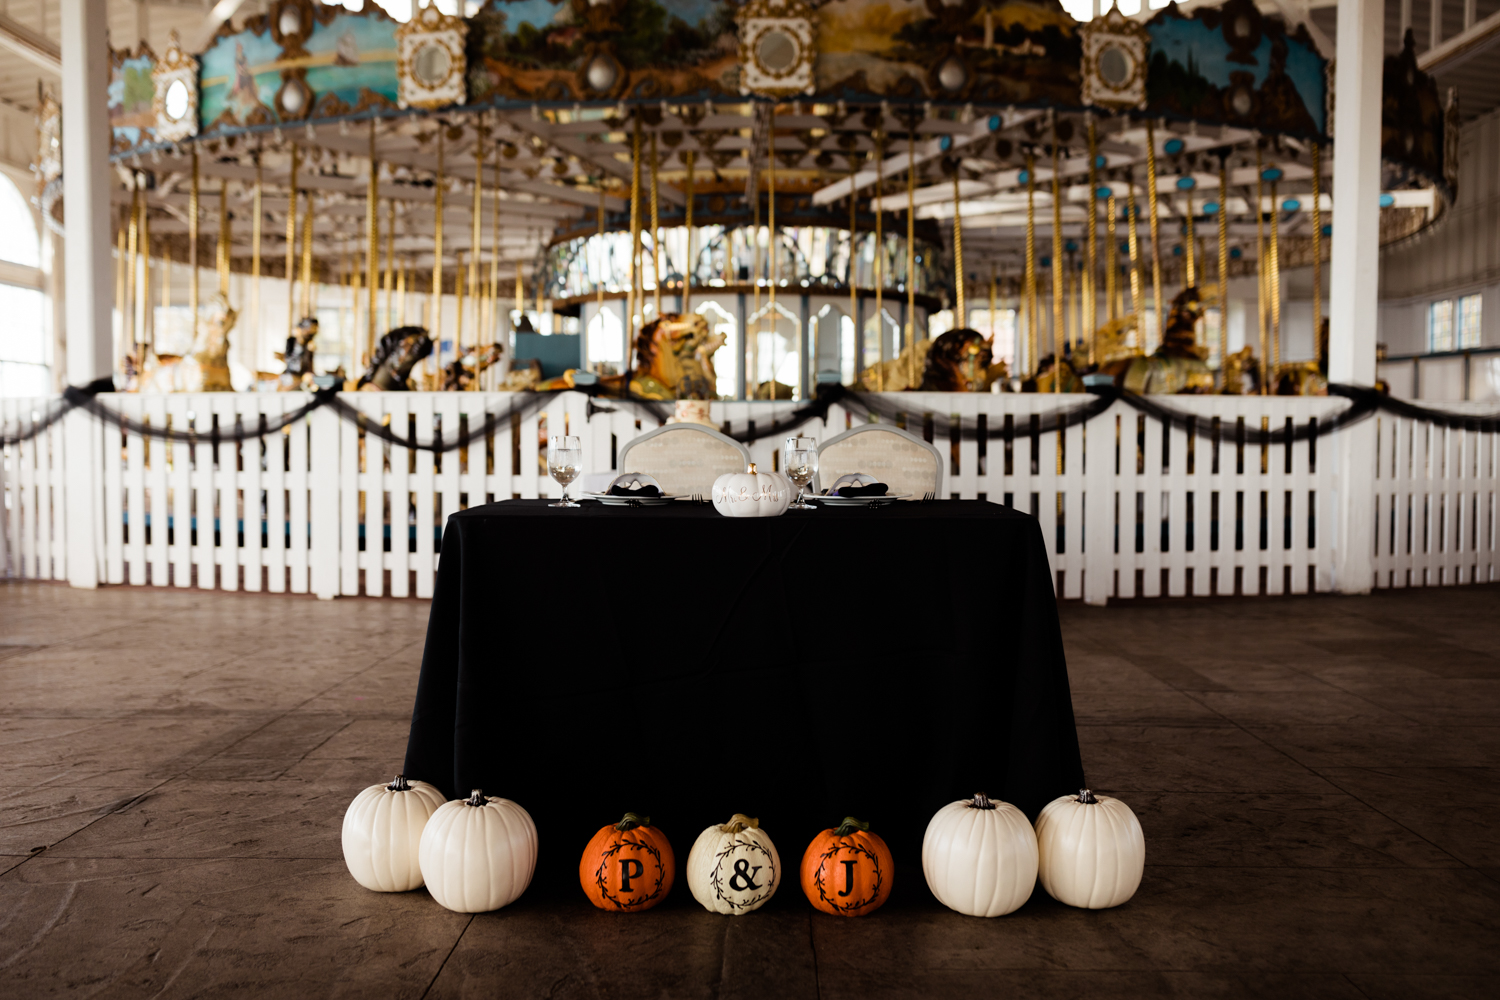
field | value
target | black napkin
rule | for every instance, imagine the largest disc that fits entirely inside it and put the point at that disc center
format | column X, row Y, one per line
column 643, row 491
column 872, row 490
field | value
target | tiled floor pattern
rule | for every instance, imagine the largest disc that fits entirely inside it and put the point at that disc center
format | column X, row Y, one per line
column 1319, row 781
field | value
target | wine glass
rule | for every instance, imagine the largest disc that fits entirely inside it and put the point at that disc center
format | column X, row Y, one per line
column 801, row 466
column 565, row 463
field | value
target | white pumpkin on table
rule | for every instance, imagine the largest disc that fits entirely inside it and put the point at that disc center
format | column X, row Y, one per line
column 752, row 493
column 733, row 867
column 382, row 830
column 980, row 857
column 1092, row 850
column 479, row 853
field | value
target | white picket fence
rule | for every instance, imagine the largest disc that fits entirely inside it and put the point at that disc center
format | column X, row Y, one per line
column 1128, row 507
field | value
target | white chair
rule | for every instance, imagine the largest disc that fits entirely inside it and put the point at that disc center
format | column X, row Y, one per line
column 684, row 458
column 902, row 461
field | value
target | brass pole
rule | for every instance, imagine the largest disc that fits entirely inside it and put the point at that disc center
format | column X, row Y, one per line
column 1317, row 248
column 1275, row 278
column 961, row 275
column 1137, row 294
column 193, row 247
column 307, row 254
column 1191, row 274
column 1223, row 262
column 992, row 310
column 291, row 248
column 752, row 341
column 655, row 226
column 1260, row 272
column 1028, row 292
column 497, row 329
column 476, row 243
column 635, row 230
column 388, row 283
column 853, row 271
column 435, row 297
column 222, row 252
column 255, row 237
column 1057, row 269
column 130, row 261
column 688, row 266
column 771, row 265
column 1155, row 229
column 911, row 257
column 1111, row 264
column 146, row 332
column 603, row 263
column 880, row 256
column 458, row 305
column 1091, row 264
column 372, row 246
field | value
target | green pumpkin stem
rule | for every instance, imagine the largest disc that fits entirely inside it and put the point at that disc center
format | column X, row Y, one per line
column 739, row 822
column 400, row 784
column 631, row 821
column 1087, row 797
column 849, row 825
column 476, row 798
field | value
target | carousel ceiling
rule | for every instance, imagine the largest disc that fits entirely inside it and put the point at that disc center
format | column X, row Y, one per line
column 543, row 103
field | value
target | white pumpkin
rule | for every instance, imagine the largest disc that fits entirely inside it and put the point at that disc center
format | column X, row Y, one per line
column 478, row 853
column 382, row 829
column 733, row 868
column 1092, row 850
column 752, row 494
column 980, row 857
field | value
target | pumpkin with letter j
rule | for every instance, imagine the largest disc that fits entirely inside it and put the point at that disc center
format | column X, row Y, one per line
column 628, row 866
column 847, row 871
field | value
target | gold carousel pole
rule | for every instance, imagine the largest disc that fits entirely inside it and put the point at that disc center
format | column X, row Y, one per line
column 401, row 294
column 655, row 226
column 960, row 275
column 752, row 339
column 388, row 283
column 635, row 231
column 291, row 248
column 435, row 298
column 1223, row 262
column 122, row 263
column 1028, row 291
column 1091, row 267
column 372, row 245
column 771, row 265
column 476, row 244
column 222, row 252
column 1275, row 278
column 1057, row 268
column 1137, row 294
column 497, row 328
column 307, row 253
column 1191, row 271
column 193, row 246
column 1111, row 262
column 1155, row 229
column 255, row 235
column 1260, row 272
column 853, row 272
column 687, row 270
column 131, row 262
column 880, row 255
column 458, row 303
column 1317, row 248
column 146, row 331
column 603, row 258
column 911, row 259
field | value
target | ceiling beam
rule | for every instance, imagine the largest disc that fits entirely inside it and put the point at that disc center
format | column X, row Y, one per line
column 35, row 48
column 1459, row 49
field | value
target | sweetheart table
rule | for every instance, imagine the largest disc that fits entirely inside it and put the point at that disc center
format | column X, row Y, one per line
column 683, row 665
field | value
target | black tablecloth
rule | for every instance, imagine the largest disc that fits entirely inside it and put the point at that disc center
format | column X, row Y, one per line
column 684, row 665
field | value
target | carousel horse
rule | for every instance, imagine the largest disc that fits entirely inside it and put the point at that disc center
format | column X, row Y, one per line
column 301, row 345
column 1179, row 365
column 961, row 361
column 206, row 367
column 900, row 373
column 1305, row 378
column 461, row 373
column 1241, row 375
column 674, row 359
column 395, row 356
column 1047, row 374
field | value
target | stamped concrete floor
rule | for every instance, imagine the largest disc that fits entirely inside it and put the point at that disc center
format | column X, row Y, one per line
column 1318, row 778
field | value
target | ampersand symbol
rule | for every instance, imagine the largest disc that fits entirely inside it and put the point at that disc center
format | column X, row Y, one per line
column 742, row 870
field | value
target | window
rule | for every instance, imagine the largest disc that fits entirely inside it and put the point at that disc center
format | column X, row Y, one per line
column 1440, row 326
column 25, row 348
column 1468, row 320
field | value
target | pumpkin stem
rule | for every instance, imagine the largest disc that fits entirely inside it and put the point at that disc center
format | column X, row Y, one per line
column 981, row 801
column 476, row 798
column 738, row 822
column 399, row 784
column 1087, row 797
column 751, row 470
column 631, row 821
column 849, row 825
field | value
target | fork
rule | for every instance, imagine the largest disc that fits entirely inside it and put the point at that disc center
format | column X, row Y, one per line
column 928, row 497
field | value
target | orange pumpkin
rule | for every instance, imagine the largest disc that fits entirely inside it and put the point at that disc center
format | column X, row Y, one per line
column 847, row 871
column 628, row 866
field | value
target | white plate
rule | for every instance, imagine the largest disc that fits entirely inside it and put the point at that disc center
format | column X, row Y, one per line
column 857, row 501
column 610, row 501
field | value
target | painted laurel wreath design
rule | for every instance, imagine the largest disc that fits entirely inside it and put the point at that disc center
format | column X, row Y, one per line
column 717, row 879
column 823, row 867
column 600, row 879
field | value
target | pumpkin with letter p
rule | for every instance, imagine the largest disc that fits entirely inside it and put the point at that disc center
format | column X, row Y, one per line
column 847, row 871
column 628, row 866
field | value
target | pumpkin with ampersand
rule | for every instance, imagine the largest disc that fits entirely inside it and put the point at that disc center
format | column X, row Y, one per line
column 847, row 871
column 627, row 866
column 733, row 868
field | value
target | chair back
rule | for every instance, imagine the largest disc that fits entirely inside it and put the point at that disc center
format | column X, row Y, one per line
column 902, row 461
column 684, row 458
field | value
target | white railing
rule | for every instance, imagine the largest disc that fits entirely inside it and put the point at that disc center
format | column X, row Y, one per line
column 1128, row 506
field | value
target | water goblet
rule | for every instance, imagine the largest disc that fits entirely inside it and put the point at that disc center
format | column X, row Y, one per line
column 801, row 465
column 565, row 463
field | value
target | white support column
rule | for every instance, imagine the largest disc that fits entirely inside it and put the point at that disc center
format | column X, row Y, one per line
column 1354, row 273
column 86, row 134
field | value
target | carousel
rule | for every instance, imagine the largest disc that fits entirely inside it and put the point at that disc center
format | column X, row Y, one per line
column 705, row 199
